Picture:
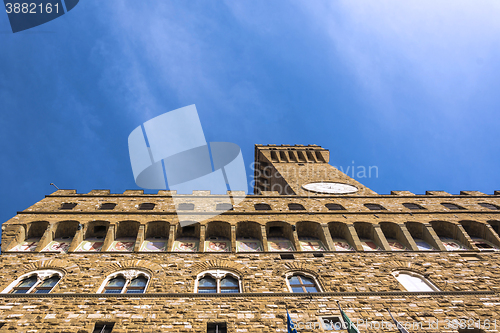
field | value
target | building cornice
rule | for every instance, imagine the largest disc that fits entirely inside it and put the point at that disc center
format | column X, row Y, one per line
column 256, row 295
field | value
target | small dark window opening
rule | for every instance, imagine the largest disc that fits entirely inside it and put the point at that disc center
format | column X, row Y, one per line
column 103, row 328
column 99, row 229
column 294, row 206
column 188, row 230
column 275, row 231
column 412, row 206
column 287, row 256
column 146, row 206
column 334, row 206
column 68, row 205
column 185, row 206
column 451, row 206
column 489, row 206
column 374, row 207
column 318, row 255
column 216, row 328
column 262, row 206
column 107, row 206
column 2, row 325
column 224, row 206
column 332, row 324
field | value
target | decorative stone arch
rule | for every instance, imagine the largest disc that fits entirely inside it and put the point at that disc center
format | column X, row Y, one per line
column 311, row 229
column 482, row 230
column 127, row 228
column 66, row 228
column 454, row 231
column 393, row 265
column 150, row 267
column 249, row 228
column 398, row 231
column 405, row 266
column 227, row 265
column 65, row 266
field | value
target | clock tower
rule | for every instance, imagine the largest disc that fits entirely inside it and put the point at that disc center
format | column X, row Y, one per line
column 301, row 170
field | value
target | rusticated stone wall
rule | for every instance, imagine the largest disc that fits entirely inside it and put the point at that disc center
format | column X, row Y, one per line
column 361, row 281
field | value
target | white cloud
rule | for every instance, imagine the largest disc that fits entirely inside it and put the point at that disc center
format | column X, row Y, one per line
column 444, row 46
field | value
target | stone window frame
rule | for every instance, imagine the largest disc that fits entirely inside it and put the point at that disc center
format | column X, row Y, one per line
column 425, row 280
column 217, row 275
column 308, row 275
column 128, row 275
column 41, row 275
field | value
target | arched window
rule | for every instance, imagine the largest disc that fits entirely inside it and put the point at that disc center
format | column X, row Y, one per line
column 207, row 285
column 302, row 283
column 262, row 206
column 115, row 285
column 125, row 282
column 412, row 206
column 185, row 206
column 68, row 205
column 489, row 206
column 38, row 282
column 217, row 281
column 224, row 206
column 334, row 206
column 107, row 206
column 412, row 281
column 229, row 285
column 146, row 206
column 451, row 206
column 372, row 206
column 295, row 206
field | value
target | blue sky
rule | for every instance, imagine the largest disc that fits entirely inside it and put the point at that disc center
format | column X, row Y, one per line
column 411, row 87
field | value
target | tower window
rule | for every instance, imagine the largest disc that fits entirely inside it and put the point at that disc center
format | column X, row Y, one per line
column 295, row 206
column 302, row 284
column 262, row 206
column 489, row 206
column 371, row 206
column 452, row 206
column 412, row 206
column 103, row 328
column 107, row 206
column 216, row 328
column 334, row 206
column 68, row 205
column 224, row 206
column 146, row 206
column 185, row 206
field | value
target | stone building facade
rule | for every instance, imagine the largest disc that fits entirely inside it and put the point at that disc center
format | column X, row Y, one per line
column 309, row 236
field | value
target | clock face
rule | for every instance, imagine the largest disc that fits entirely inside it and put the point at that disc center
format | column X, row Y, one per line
column 331, row 188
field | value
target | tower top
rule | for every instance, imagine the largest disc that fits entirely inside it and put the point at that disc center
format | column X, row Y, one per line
column 301, row 170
